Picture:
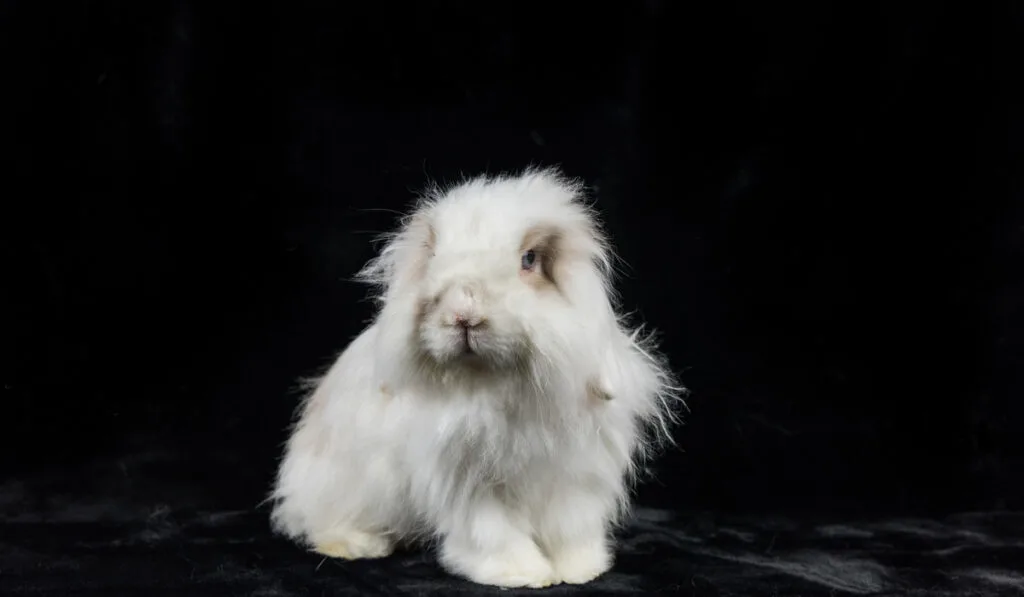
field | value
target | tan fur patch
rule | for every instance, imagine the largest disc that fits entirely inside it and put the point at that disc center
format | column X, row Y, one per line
column 545, row 241
column 422, row 233
column 423, row 308
column 596, row 393
column 431, row 241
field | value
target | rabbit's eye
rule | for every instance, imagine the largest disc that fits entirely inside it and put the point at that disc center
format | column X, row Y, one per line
column 529, row 260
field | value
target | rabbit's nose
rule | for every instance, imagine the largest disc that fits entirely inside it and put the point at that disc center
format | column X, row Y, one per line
column 467, row 321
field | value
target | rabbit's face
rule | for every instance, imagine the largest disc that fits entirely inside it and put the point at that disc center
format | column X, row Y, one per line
column 485, row 285
column 497, row 271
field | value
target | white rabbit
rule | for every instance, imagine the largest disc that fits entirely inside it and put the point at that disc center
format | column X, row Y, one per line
column 497, row 404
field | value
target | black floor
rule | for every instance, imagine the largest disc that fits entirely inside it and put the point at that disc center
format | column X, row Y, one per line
column 132, row 526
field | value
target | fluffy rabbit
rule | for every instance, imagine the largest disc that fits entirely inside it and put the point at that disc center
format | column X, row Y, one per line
column 496, row 404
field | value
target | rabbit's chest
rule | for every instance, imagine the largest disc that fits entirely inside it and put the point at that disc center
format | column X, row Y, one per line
column 486, row 440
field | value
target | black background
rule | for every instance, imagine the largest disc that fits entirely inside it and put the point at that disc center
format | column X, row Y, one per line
column 820, row 208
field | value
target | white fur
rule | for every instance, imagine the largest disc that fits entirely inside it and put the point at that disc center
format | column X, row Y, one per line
column 506, row 457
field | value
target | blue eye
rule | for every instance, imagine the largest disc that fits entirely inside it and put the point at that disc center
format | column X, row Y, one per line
column 529, row 259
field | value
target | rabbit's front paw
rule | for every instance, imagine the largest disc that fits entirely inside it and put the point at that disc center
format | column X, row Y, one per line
column 514, row 568
column 354, row 545
column 581, row 563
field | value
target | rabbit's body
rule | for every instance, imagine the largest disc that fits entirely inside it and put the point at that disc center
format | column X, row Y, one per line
column 509, row 438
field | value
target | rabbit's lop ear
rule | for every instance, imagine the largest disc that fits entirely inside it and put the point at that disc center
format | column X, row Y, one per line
column 405, row 255
column 584, row 247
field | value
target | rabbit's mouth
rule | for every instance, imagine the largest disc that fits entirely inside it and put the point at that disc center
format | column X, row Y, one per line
column 470, row 343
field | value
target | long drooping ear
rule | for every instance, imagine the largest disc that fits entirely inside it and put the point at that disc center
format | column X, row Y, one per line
column 586, row 240
column 404, row 257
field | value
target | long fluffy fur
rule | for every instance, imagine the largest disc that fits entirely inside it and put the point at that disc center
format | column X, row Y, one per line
column 518, row 462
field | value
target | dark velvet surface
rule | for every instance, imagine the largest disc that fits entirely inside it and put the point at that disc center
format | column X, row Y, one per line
column 139, row 526
column 820, row 207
